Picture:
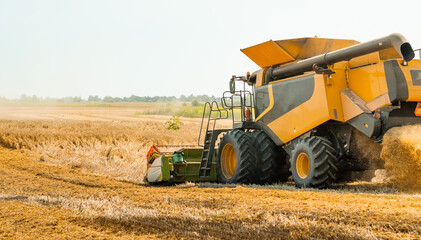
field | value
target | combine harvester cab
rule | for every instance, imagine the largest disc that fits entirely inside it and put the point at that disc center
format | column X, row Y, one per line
column 308, row 100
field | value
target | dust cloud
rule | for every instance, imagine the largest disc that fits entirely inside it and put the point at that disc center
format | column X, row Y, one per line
column 365, row 151
column 402, row 156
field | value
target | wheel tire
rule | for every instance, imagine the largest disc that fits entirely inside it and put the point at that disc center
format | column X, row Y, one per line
column 272, row 165
column 237, row 159
column 313, row 163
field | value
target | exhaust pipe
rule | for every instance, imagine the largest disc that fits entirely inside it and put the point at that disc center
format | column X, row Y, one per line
column 396, row 41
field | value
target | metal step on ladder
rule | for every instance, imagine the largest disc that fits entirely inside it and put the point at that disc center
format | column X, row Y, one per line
column 209, row 151
column 207, row 155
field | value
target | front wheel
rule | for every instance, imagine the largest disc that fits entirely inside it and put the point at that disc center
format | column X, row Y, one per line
column 236, row 159
column 313, row 163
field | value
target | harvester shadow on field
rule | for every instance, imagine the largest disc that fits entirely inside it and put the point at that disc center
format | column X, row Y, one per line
column 344, row 187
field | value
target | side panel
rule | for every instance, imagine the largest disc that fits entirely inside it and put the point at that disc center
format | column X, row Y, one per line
column 283, row 97
column 262, row 100
column 299, row 105
column 373, row 81
column 368, row 82
column 412, row 74
column 165, row 169
column 334, row 85
column 396, row 83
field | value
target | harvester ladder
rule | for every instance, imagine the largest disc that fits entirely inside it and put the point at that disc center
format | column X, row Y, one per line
column 211, row 135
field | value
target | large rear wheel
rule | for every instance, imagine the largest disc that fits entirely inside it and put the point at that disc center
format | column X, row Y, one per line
column 313, row 163
column 236, row 159
column 272, row 165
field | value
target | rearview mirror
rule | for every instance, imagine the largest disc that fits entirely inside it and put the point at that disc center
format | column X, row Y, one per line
column 232, row 85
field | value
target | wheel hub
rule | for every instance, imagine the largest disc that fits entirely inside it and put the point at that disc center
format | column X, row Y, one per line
column 228, row 161
column 303, row 165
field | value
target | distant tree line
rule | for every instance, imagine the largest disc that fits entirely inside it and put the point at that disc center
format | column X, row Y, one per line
column 109, row 99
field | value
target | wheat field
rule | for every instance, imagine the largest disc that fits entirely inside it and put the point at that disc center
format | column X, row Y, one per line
column 76, row 173
column 115, row 148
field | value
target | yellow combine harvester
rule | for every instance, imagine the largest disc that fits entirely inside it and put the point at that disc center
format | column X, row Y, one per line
column 308, row 98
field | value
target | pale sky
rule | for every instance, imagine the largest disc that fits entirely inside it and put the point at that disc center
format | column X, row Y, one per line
column 55, row 48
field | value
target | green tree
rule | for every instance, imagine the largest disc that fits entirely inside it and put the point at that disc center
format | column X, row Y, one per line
column 195, row 103
column 94, row 98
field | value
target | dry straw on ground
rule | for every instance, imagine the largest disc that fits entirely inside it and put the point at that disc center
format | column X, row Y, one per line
column 402, row 155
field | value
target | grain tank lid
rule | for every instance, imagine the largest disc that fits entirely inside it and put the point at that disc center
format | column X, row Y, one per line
column 283, row 51
column 267, row 54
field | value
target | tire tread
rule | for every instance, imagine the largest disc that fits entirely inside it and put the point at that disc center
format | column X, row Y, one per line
column 324, row 155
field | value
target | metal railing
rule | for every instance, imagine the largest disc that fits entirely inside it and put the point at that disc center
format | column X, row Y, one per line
column 213, row 108
column 239, row 100
column 242, row 100
column 232, row 101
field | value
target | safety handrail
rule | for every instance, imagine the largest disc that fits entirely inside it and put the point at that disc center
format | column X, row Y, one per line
column 245, row 97
column 212, row 105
